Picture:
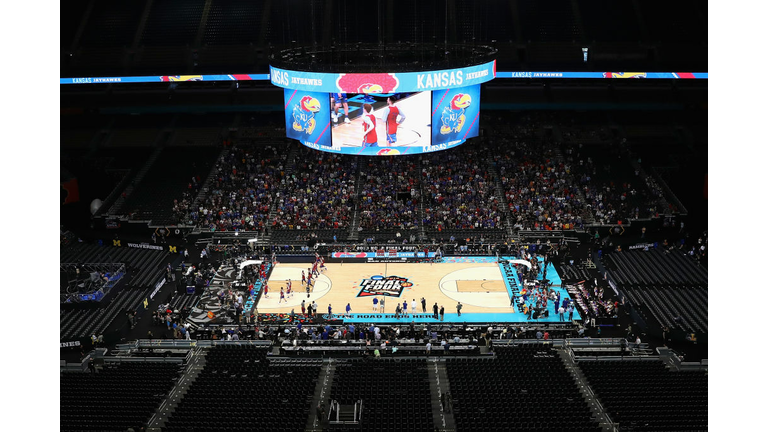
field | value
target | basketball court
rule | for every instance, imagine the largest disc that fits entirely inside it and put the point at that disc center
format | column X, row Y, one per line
column 480, row 287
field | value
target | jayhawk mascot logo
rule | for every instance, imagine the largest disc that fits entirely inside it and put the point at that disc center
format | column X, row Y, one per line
column 304, row 114
column 624, row 75
column 370, row 88
column 453, row 117
column 178, row 78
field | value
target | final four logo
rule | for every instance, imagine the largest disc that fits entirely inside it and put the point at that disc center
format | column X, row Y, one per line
column 453, row 117
column 390, row 286
column 304, row 114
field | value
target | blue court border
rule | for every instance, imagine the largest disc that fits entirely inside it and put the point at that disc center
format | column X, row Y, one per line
column 513, row 316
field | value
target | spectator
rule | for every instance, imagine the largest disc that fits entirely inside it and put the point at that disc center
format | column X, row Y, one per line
column 319, row 194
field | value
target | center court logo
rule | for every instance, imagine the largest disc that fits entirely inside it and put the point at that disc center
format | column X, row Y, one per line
column 390, row 286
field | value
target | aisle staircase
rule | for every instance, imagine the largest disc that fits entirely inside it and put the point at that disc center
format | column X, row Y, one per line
column 117, row 207
column 442, row 415
column 322, row 394
column 508, row 225
column 195, row 365
column 353, row 233
column 587, row 216
column 206, row 187
column 290, row 167
column 598, row 412
column 422, row 231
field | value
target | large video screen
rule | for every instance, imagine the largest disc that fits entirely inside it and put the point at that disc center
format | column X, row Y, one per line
column 381, row 123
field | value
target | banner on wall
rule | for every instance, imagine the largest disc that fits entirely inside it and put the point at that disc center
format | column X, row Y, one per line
column 381, row 255
column 143, row 246
column 69, row 344
column 383, row 82
column 428, row 79
column 70, row 192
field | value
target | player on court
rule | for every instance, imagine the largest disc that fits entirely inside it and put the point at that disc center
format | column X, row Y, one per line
column 266, row 291
column 289, row 289
column 303, row 278
column 322, row 264
column 282, row 296
column 340, row 99
column 389, row 117
column 369, row 127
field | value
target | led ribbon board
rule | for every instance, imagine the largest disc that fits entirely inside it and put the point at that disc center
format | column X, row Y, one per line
column 425, row 80
column 164, row 78
column 387, row 113
column 396, row 82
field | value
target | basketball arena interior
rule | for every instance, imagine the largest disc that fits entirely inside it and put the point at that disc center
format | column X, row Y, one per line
column 436, row 215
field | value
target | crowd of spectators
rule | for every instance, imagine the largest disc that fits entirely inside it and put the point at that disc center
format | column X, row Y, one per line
column 458, row 190
column 319, row 193
column 540, row 190
column 389, row 194
column 391, row 335
column 613, row 197
column 242, row 190
column 594, row 303
column 697, row 250
column 181, row 207
column 547, row 183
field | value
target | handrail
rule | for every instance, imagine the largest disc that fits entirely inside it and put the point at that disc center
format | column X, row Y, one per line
column 573, row 342
column 667, row 190
column 680, row 261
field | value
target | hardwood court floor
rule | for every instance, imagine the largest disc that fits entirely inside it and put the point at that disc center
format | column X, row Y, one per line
column 478, row 286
